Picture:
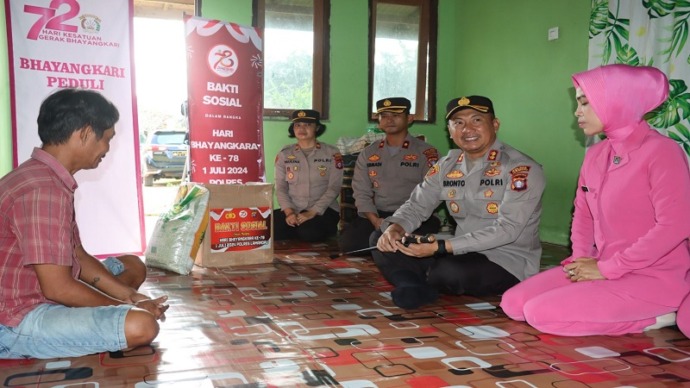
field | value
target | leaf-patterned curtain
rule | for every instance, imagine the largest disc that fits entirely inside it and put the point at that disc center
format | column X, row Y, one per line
column 648, row 33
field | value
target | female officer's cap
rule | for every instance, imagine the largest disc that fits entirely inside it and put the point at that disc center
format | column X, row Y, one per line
column 306, row 116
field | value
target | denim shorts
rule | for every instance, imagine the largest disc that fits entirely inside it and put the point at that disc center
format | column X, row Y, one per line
column 113, row 265
column 53, row 330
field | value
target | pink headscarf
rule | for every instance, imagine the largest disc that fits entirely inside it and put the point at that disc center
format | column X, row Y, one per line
column 620, row 95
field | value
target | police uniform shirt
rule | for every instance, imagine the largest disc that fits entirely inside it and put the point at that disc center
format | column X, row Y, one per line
column 382, row 181
column 497, row 206
column 310, row 182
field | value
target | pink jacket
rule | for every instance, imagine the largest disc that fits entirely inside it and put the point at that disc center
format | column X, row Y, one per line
column 632, row 207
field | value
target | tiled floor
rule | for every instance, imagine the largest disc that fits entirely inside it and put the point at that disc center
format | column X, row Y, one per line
column 307, row 321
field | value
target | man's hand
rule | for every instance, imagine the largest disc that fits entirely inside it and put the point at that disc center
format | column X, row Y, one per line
column 418, row 250
column 135, row 297
column 392, row 235
column 305, row 216
column 375, row 220
column 290, row 217
column 583, row 269
column 157, row 306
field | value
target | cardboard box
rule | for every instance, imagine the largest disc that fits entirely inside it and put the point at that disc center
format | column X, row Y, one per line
column 240, row 227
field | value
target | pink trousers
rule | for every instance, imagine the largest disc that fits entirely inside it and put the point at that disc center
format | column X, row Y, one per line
column 683, row 319
column 553, row 304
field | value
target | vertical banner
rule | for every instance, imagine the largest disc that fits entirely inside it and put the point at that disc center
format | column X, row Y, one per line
column 225, row 86
column 55, row 44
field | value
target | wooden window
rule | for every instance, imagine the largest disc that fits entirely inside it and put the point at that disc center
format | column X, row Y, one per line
column 402, row 54
column 296, row 66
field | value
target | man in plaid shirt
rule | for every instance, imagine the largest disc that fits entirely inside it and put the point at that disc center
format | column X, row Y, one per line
column 56, row 300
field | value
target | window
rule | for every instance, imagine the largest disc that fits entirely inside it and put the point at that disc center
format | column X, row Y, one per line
column 402, row 53
column 295, row 55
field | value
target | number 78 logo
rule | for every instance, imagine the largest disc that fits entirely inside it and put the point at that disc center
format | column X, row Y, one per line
column 50, row 20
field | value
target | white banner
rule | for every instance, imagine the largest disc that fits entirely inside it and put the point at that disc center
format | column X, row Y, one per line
column 87, row 44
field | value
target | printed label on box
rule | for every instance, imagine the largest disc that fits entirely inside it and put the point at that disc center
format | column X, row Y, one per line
column 240, row 229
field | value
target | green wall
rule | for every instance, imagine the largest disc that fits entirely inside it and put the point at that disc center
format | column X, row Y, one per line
column 495, row 48
column 528, row 78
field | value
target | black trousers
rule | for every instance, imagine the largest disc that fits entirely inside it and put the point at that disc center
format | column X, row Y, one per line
column 318, row 229
column 467, row 274
column 356, row 235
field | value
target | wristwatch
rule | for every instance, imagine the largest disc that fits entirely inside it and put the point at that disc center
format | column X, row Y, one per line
column 441, row 250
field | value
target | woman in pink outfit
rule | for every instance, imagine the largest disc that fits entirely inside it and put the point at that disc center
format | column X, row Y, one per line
column 629, row 267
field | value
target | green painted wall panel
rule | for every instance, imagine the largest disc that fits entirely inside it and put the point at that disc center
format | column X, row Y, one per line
column 503, row 52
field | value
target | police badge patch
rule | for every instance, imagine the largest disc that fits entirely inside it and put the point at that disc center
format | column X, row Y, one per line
column 433, row 170
column 518, row 180
column 338, row 159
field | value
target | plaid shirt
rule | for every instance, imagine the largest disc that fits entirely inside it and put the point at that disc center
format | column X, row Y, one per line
column 37, row 226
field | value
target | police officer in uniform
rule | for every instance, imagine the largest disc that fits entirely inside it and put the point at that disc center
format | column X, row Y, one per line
column 308, row 178
column 385, row 174
column 493, row 192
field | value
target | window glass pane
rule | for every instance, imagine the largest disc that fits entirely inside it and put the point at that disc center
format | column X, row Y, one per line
column 288, row 54
column 396, row 52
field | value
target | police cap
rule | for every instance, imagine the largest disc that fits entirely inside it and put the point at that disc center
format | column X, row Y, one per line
column 393, row 104
column 479, row 103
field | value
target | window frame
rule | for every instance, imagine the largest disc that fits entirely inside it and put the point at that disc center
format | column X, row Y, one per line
column 321, row 61
column 427, row 48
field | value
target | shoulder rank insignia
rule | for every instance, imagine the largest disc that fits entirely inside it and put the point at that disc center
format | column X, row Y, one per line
column 493, row 155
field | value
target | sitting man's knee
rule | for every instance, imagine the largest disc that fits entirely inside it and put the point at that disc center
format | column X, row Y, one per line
column 141, row 328
column 134, row 274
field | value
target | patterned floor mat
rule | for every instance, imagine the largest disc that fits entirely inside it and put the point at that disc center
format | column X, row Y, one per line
column 306, row 321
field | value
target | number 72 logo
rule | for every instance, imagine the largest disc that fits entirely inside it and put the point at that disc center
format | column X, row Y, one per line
column 49, row 19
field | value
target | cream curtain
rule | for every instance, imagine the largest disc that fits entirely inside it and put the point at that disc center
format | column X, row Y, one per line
column 648, row 33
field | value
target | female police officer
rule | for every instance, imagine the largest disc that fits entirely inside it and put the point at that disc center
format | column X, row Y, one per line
column 309, row 176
